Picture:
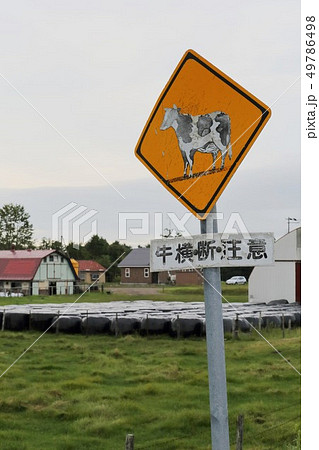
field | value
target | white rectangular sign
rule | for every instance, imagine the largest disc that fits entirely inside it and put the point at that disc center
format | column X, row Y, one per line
column 212, row 250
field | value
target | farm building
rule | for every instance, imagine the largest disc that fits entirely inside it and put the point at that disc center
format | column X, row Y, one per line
column 135, row 268
column 36, row 272
column 90, row 271
column 283, row 279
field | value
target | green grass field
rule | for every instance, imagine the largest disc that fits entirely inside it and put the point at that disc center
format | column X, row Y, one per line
column 165, row 293
column 77, row 392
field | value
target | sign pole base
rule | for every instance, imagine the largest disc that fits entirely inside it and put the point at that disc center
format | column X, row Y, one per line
column 215, row 347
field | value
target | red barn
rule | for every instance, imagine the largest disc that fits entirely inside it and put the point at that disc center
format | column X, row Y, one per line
column 36, row 272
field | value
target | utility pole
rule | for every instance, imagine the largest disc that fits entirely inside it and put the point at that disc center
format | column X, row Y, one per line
column 215, row 347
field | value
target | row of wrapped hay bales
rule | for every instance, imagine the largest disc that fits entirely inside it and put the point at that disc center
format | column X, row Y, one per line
column 184, row 324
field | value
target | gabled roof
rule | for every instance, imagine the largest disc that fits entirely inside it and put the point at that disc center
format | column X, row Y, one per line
column 21, row 264
column 90, row 266
column 15, row 254
column 22, row 269
column 138, row 257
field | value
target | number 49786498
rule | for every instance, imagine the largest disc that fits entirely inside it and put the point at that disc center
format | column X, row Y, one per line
column 310, row 49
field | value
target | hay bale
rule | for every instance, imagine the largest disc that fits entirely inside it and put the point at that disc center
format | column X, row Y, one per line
column 41, row 321
column 272, row 321
column 281, row 301
column 96, row 324
column 187, row 326
column 68, row 324
column 156, row 325
column 125, row 324
column 228, row 324
column 16, row 321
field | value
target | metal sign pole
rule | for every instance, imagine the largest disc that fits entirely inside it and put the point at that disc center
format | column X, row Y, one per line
column 215, row 347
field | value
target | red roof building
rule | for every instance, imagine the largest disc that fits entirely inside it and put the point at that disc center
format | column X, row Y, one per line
column 36, row 272
column 90, row 271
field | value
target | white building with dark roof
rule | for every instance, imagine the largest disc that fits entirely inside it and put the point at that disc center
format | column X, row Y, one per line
column 283, row 279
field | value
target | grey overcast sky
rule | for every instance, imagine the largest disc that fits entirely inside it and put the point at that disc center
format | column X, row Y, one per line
column 94, row 70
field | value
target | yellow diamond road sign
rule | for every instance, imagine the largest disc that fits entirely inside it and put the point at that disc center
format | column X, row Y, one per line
column 199, row 131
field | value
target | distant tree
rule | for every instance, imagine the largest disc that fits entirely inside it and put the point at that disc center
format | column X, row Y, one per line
column 98, row 249
column 115, row 251
column 47, row 244
column 15, row 227
column 77, row 251
column 106, row 262
column 97, row 246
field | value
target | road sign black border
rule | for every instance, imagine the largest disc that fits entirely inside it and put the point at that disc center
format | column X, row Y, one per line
column 264, row 116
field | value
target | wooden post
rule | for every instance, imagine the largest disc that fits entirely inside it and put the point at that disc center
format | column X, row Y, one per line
column 147, row 325
column 116, row 326
column 87, row 322
column 3, row 319
column 259, row 321
column 236, row 328
column 283, row 325
column 240, row 432
column 129, row 442
column 30, row 318
column 178, row 327
column 57, row 323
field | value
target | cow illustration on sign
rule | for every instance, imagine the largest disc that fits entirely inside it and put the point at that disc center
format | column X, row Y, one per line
column 207, row 133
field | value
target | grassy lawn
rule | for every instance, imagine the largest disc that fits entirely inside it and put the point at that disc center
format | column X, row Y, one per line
column 77, row 392
column 165, row 293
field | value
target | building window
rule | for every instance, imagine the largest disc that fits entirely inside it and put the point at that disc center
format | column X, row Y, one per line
column 127, row 272
column 146, row 272
column 62, row 259
column 94, row 276
column 44, row 260
column 51, row 258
